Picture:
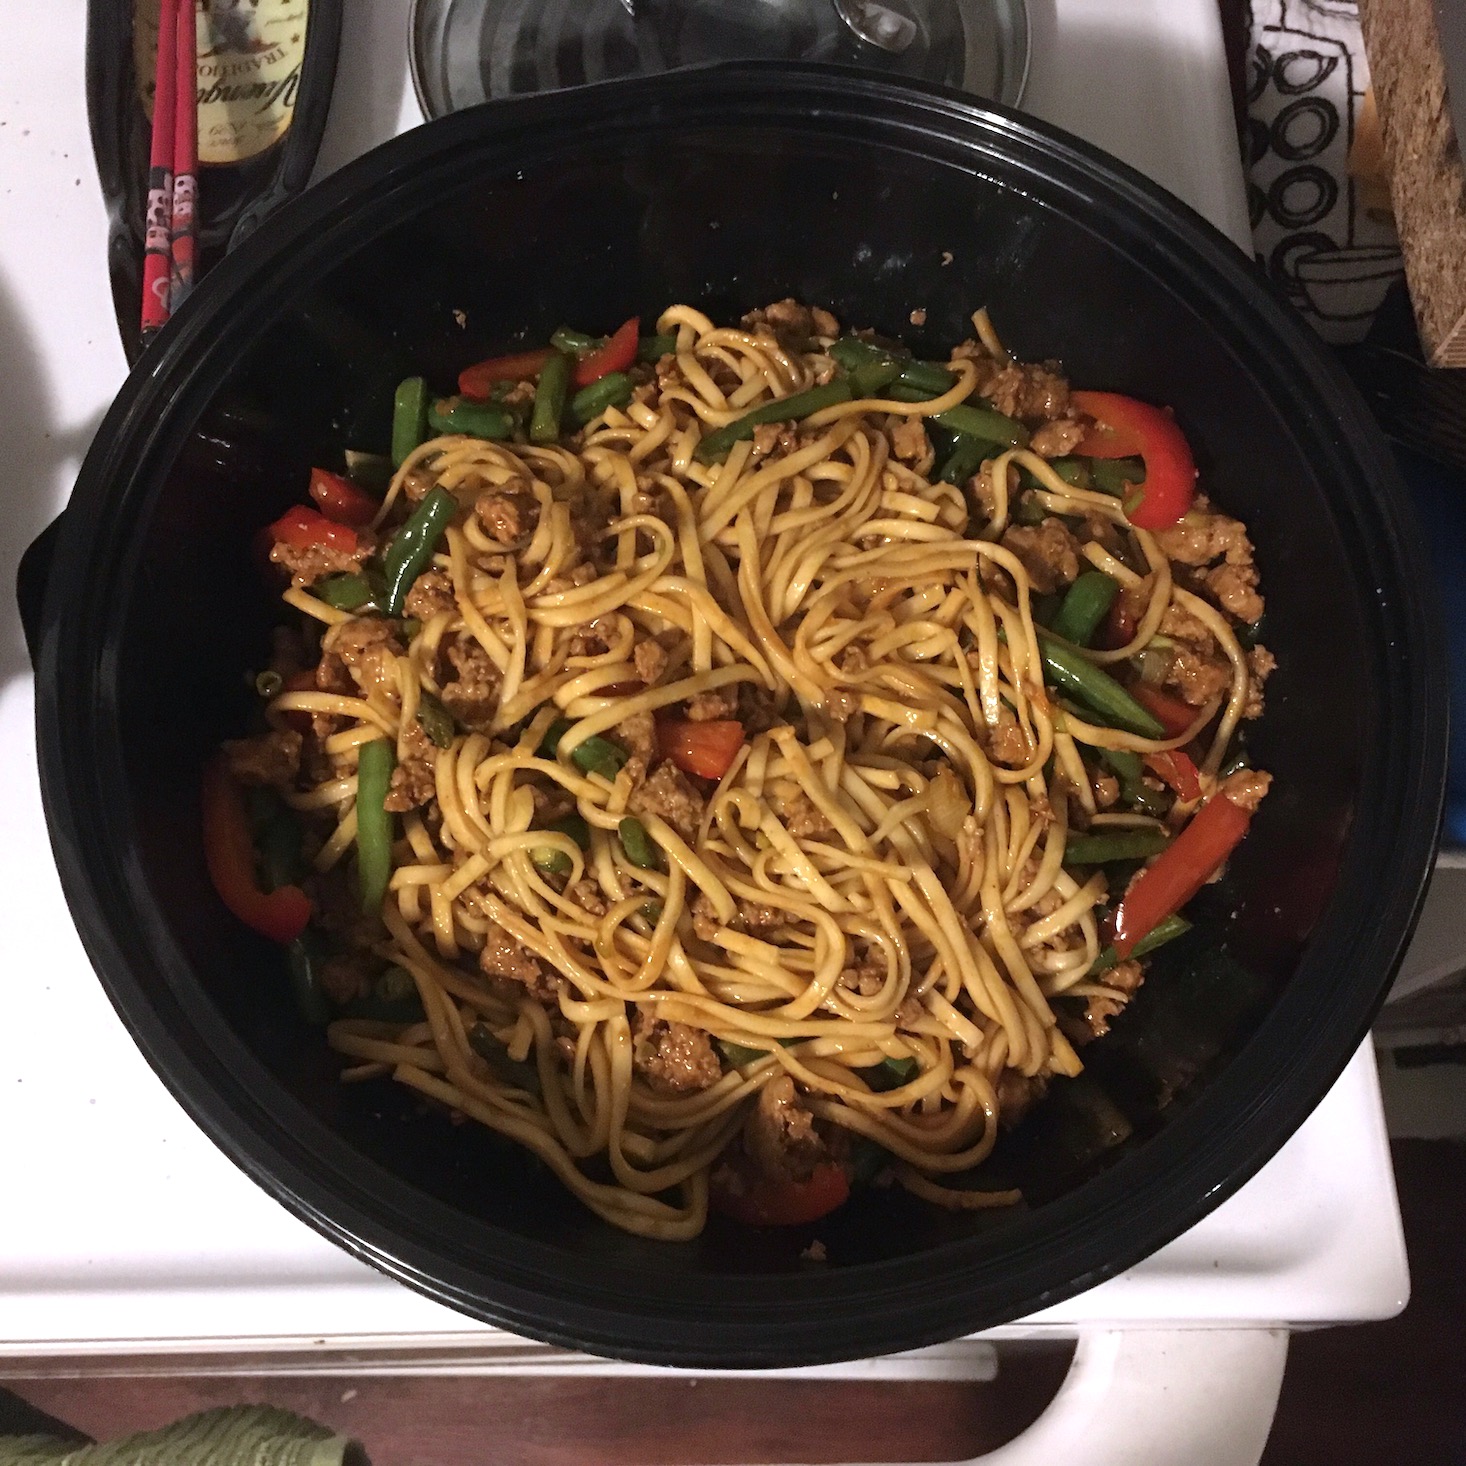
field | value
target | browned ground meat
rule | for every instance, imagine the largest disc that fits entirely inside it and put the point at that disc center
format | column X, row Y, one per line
column 766, row 438
column 1261, row 663
column 504, row 957
column 590, row 640
column 1199, row 671
column 650, row 660
column 779, row 1134
column 369, row 647
column 333, row 676
column 271, row 759
column 1017, row 1095
column 1203, row 537
column 866, row 973
column 1031, row 392
column 1005, row 742
column 909, row 441
column 315, row 562
column 674, row 1058
column 346, row 976
column 1234, row 589
column 667, row 794
column 1246, row 787
column 587, row 895
column 1058, row 438
column 802, row 817
column 1123, row 979
column 638, row 736
column 792, row 324
column 418, row 483
column 472, row 695
column 413, row 782
column 509, row 515
column 705, row 707
column 431, row 595
column 1106, row 791
column 1050, row 554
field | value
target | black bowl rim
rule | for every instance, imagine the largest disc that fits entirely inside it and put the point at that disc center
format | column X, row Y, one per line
column 1107, row 1224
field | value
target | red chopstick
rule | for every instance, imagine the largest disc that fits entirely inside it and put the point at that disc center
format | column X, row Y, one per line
column 157, row 262
column 184, row 234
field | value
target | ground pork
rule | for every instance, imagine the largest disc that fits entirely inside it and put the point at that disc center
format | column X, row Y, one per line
column 472, row 694
column 1203, row 537
column 504, row 957
column 587, row 895
column 1099, row 1009
column 413, row 782
column 669, row 795
column 1049, row 553
column 802, row 817
column 1032, row 392
column 369, row 647
column 418, row 483
column 1199, row 671
column 650, row 660
column 866, row 973
column 674, row 1058
column 1057, row 439
column 1234, row 589
column 509, row 514
column 791, row 324
column 1005, row 741
column 431, row 595
column 1246, row 787
column 310, row 563
column 706, row 707
column 779, row 1135
column 346, row 976
column 1261, row 662
column 909, row 442
column 272, row 759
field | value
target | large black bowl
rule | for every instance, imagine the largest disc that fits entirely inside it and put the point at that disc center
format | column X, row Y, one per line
column 730, row 188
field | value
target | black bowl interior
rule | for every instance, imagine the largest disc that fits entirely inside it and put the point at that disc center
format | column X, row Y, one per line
column 729, row 190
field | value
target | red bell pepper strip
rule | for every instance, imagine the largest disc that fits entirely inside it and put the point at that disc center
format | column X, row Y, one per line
column 229, row 852
column 764, row 1202
column 1174, row 715
column 1126, row 426
column 478, row 380
column 302, row 528
column 1178, row 771
column 340, row 499
column 615, row 356
column 705, row 749
column 1180, row 870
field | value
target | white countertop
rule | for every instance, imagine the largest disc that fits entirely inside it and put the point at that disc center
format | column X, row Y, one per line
column 125, row 1227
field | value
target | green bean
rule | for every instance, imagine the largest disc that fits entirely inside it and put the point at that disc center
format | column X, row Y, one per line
column 269, row 684
column 1249, row 635
column 612, row 390
column 872, row 378
column 641, row 850
column 868, row 367
column 654, row 348
column 371, row 471
column 1112, row 845
column 1164, row 931
column 1069, row 671
column 549, row 399
column 279, row 845
column 437, row 722
column 1116, row 476
column 373, row 822
column 737, row 1055
column 393, row 998
column 785, row 409
column 965, row 418
column 1134, row 791
column 890, row 1073
column 595, row 755
column 965, row 459
column 551, row 861
column 925, row 378
column 346, row 591
column 508, row 1071
column 867, row 1160
column 473, row 419
column 1086, row 603
column 1071, row 470
column 409, row 418
column 574, row 826
column 1027, row 510
column 302, row 960
column 575, row 343
column 412, row 549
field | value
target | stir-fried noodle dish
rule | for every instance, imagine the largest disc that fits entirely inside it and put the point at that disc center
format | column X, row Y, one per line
column 743, row 762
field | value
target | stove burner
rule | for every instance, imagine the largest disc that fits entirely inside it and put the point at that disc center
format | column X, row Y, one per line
column 469, row 51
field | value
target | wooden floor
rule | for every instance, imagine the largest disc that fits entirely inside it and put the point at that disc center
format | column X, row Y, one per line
column 1392, row 1392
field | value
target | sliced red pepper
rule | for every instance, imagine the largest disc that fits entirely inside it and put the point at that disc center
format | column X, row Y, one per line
column 705, row 749
column 1178, row 771
column 763, row 1202
column 302, row 528
column 340, row 499
column 1180, row 870
column 229, row 852
column 478, row 380
column 1125, row 426
column 1175, row 716
column 615, row 356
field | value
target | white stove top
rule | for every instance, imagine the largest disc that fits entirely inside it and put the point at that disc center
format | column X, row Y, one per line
column 124, row 1228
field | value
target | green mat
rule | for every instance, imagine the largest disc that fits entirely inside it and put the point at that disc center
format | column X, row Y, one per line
column 239, row 1435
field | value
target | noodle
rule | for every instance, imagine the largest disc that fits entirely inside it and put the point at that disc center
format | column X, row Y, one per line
column 856, row 927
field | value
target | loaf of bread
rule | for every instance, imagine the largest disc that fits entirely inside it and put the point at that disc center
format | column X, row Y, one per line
column 1427, row 179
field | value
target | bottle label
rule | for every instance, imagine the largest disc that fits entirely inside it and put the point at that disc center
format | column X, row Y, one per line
column 249, row 59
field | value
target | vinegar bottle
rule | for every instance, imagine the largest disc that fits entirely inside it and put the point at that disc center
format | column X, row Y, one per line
column 265, row 71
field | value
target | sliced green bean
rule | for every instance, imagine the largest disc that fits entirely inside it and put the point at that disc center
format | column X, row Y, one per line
column 1116, row 476
column 393, row 998
column 371, row 471
column 595, row 755
column 1112, row 845
column 514, row 1073
column 965, row 459
column 965, row 418
column 641, row 850
column 437, row 722
column 374, row 821
column 1164, row 931
column 654, row 348
column 1134, row 791
column 551, row 861
column 1070, row 672
column 550, row 393
column 612, row 390
column 303, row 958
column 346, row 591
column 269, row 684
column 785, row 409
column 409, row 418
column 575, row 343
column 1086, row 603
column 472, row 419
column 890, row 1073
column 415, row 543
